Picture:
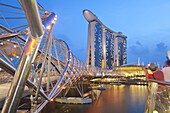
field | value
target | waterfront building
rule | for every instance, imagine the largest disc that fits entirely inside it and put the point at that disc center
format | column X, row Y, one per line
column 105, row 48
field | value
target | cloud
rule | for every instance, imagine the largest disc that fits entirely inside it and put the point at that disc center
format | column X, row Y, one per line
column 153, row 54
column 138, row 49
column 138, row 43
column 160, row 52
column 161, row 47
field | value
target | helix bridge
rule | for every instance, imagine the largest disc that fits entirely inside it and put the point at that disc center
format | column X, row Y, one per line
column 34, row 57
column 43, row 65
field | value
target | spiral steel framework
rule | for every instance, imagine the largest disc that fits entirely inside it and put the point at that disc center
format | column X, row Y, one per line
column 35, row 57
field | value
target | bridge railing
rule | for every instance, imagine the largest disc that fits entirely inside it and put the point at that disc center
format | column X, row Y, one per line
column 158, row 100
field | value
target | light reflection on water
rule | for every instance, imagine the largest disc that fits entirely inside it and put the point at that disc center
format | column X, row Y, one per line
column 115, row 99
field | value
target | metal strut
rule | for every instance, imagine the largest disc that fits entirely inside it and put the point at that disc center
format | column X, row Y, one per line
column 28, row 56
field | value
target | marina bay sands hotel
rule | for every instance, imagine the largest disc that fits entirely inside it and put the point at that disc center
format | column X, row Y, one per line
column 105, row 48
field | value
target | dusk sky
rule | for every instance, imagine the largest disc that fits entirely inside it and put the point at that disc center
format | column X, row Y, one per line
column 146, row 23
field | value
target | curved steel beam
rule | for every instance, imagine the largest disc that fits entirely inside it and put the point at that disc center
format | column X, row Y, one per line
column 28, row 56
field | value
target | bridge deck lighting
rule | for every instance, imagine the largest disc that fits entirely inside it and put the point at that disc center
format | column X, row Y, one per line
column 15, row 46
column 55, row 17
column 155, row 111
column 52, row 100
column 53, row 22
column 2, row 43
column 48, row 27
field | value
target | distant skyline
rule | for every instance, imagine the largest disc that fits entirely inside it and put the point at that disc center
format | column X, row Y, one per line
column 146, row 24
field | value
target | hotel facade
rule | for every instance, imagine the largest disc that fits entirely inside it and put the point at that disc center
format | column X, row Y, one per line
column 105, row 48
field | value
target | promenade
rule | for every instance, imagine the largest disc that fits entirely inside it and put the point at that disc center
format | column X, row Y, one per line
column 5, row 83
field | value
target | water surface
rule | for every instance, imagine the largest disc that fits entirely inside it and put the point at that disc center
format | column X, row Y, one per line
column 115, row 99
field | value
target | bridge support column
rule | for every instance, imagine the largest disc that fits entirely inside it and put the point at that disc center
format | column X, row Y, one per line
column 70, row 95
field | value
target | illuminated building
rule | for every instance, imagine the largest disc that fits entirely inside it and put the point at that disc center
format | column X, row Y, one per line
column 105, row 48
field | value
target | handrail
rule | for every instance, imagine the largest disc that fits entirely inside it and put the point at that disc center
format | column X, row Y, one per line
column 158, row 100
column 161, row 82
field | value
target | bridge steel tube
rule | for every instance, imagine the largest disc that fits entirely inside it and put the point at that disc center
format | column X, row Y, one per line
column 11, row 69
column 28, row 56
column 56, row 90
column 33, row 17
